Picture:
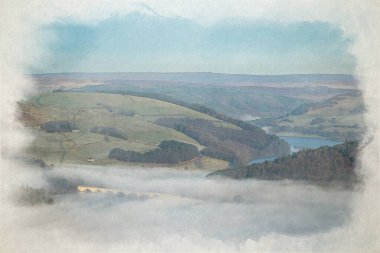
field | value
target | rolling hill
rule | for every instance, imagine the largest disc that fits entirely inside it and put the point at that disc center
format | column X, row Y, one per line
column 82, row 128
column 324, row 164
column 243, row 97
column 339, row 118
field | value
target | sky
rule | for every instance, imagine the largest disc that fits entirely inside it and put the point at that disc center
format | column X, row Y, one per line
column 144, row 41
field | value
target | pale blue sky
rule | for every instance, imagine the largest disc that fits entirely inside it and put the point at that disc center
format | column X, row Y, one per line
column 153, row 43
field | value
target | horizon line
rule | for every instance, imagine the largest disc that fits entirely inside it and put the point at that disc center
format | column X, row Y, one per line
column 189, row 72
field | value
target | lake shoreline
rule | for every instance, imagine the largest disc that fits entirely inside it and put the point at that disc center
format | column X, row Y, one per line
column 298, row 143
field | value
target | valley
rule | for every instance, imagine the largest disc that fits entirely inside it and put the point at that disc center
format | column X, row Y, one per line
column 163, row 119
column 338, row 118
column 323, row 106
column 83, row 128
column 321, row 165
column 235, row 95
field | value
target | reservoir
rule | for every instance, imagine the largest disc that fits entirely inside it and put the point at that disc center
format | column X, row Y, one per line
column 298, row 143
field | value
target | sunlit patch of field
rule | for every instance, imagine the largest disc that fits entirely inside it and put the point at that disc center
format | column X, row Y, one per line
column 137, row 195
column 142, row 107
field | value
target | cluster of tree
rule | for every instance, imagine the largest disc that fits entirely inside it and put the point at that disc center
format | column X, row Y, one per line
column 302, row 109
column 30, row 196
column 237, row 146
column 323, row 164
column 168, row 152
column 107, row 107
column 317, row 120
column 61, row 185
column 111, row 131
column 127, row 112
column 26, row 195
column 35, row 162
column 57, row 126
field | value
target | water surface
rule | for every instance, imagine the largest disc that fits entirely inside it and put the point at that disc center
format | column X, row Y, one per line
column 298, row 143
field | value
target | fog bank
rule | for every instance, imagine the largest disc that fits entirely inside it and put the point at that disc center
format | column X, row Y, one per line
column 208, row 215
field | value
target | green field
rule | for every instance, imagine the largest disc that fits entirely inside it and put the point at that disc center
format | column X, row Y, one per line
column 86, row 110
column 341, row 117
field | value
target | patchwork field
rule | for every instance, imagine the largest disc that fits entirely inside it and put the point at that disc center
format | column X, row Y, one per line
column 135, row 116
column 340, row 117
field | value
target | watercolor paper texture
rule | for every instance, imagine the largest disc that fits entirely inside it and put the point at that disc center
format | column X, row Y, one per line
column 117, row 115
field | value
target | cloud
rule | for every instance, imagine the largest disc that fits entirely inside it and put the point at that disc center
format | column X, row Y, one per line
column 206, row 215
column 148, row 43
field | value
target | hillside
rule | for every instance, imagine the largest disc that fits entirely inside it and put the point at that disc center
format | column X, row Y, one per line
column 80, row 127
column 240, row 96
column 238, row 146
column 339, row 118
column 194, row 78
column 324, row 164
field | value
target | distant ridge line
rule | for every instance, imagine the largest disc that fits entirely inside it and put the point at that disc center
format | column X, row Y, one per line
column 203, row 77
column 190, row 73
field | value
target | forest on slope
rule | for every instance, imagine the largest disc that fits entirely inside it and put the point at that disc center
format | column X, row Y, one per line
column 324, row 164
column 84, row 127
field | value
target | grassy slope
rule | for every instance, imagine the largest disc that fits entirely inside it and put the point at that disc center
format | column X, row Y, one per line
column 233, row 101
column 234, row 95
column 90, row 109
column 344, row 108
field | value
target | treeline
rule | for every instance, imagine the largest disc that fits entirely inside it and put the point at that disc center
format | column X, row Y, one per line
column 228, row 148
column 321, row 131
column 29, row 196
column 323, row 164
column 111, row 131
column 168, row 152
column 236, row 146
column 57, row 126
column 192, row 106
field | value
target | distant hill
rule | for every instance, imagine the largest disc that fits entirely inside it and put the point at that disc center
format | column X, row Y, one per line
column 204, row 77
column 324, row 164
column 239, row 96
column 340, row 118
column 82, row 127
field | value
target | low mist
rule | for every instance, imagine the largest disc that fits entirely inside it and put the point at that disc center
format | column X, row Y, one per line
column 199, row 212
